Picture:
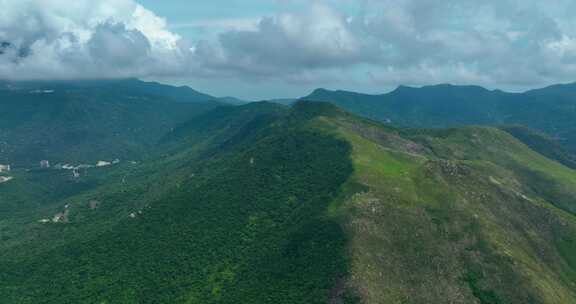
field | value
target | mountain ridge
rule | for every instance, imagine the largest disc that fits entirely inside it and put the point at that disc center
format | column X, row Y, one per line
column 444, row 106
column 127, row 85
column 310, row 204
column 401, row 87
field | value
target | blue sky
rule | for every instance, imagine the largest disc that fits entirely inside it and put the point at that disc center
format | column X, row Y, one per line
column 258, row 49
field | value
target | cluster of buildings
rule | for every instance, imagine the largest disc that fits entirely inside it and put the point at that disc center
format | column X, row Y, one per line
column 45, row 164
column 5, row 168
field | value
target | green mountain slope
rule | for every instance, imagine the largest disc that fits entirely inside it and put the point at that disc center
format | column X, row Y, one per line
column 249, row 217
column 465, row 215
column 542, row 144
column 86, row 121
column 551, row 110
column 265, row 204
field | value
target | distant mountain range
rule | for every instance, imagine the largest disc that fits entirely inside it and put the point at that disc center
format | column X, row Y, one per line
column 119, row 86
column 86, row 121
column 551, row 110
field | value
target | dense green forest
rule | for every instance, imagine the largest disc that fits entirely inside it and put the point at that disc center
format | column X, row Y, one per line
column 267, row 204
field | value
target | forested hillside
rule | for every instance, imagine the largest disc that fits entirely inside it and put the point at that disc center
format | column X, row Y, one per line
column 86, row 121
column 267, row 204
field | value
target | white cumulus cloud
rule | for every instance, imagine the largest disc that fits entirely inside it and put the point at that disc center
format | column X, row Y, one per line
column 379, row 42
column 84, row 38
column 492, row 42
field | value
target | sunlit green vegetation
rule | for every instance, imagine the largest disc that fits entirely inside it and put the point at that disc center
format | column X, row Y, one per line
column 265, row 204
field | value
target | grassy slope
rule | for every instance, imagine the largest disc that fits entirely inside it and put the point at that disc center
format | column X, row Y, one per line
column 457, row 216
column 312, row 206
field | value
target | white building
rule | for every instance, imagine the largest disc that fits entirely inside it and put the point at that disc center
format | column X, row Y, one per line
column 44, row 164
column 103, row 163
column 4, row 179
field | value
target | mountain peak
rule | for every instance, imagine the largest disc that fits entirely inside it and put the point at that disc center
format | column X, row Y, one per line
column 321, row 91
column 402, row 88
